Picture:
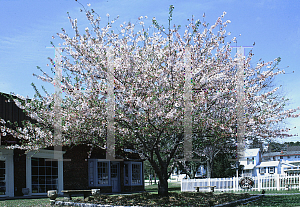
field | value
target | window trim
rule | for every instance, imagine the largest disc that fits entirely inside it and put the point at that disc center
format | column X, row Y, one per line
column 129, row 170
column 7, row 156
column 44, row 174
column 130, row 173
column 46, row 154
column 95, row 172
column 141, row 169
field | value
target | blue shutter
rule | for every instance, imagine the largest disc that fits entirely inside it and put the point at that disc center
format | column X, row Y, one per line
column 91, row 172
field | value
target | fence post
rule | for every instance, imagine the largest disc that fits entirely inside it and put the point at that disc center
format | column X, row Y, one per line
column 237, row 183
column 209, row 182
column 181, row 185
column 298, row 183
column 233, row 183
column 277, row 182
column 258, row 182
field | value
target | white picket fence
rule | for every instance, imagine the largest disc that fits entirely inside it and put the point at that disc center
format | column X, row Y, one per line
column 271, row 182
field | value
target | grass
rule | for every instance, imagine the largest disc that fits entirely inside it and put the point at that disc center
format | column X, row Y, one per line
column 173, row 187
column 273, row 192
column 277, row 200
column 26, row 202
column 176, row 198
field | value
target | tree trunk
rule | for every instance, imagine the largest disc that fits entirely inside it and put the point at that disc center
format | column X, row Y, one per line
column 163, row 188
column 209, row 169
column 162, row 173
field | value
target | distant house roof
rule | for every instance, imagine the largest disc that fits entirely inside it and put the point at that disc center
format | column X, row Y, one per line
column 293, row 148
column 268, row 164
column 283, row 153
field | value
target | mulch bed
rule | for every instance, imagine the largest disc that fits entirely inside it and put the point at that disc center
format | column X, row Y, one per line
column 174, row 199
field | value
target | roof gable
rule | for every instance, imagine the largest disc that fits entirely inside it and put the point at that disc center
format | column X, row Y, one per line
column 251, row 152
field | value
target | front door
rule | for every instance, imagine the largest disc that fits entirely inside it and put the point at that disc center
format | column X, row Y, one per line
column 115, row 169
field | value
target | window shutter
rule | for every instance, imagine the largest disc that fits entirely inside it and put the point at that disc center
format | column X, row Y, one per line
column 91, row 172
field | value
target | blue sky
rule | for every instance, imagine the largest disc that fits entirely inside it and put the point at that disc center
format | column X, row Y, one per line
column 27, row 27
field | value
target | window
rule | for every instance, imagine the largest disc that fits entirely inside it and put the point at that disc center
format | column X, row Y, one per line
column 102, row 171
column 44, row 175
column 281, row 157
column 250, row 161
column 262, row 170
column 133, row 173
column 136, row 174
column 272, row 170
column 99, row 172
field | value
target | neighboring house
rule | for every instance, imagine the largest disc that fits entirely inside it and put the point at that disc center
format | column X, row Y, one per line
column 290, row 167
column 251, row 159
column 289, row 160
column 201, row 172
column 48, row 169
column 284, row 162
column 268, row 168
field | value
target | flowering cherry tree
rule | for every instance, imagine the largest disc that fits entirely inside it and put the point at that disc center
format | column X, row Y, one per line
column 149, row 77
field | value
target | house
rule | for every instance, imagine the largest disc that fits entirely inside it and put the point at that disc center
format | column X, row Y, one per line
column 290, row 167
column 250, row 160
column 67, row 168
column 268, row 168
column 284, row 162
column 289, row 160
column 201, row 172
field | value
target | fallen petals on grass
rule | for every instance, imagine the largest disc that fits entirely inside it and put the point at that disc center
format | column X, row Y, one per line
column 174, row 199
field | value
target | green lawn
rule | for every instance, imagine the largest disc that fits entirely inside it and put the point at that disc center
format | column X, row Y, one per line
column 174, row 189
column 277, row 200
column 273, row 192
column 26, row 202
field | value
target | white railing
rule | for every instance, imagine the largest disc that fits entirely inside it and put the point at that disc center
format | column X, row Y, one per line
column 270, row 182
